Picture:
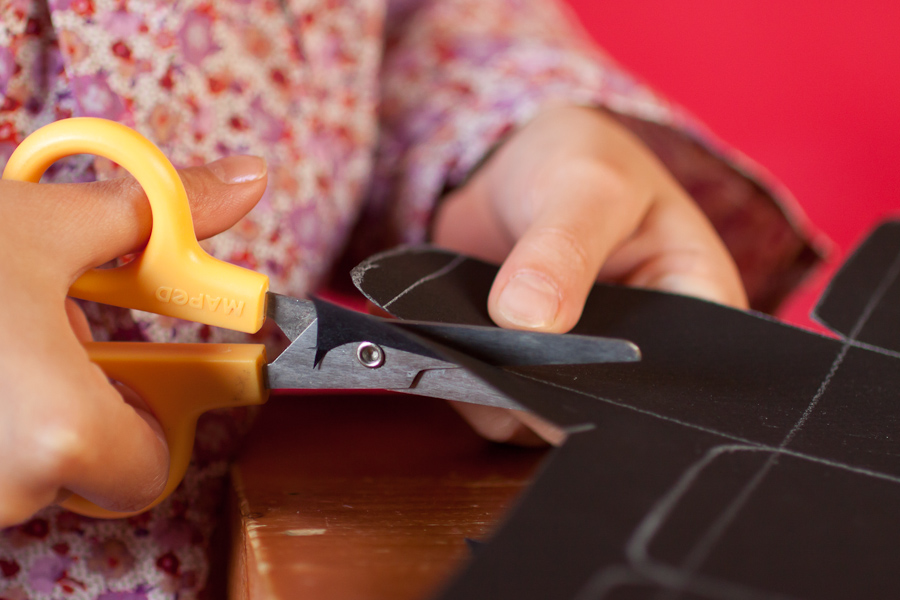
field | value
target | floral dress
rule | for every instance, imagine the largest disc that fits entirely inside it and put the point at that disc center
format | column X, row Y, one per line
column 367, row 111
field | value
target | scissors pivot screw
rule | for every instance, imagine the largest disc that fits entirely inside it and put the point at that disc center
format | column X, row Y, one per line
column 370, row 355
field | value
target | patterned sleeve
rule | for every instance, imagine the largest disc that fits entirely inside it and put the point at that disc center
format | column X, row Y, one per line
column 460, row 75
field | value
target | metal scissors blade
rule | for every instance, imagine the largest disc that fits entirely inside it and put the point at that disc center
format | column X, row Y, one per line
column 336, row 348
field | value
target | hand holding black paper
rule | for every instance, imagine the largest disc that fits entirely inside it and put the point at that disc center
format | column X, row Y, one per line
column 570, row 199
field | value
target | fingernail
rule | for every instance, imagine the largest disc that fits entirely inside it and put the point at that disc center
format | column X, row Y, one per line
column 529, row 300
column 238, row 169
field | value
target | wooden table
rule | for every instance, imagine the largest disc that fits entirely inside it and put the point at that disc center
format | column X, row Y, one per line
column 364, row 497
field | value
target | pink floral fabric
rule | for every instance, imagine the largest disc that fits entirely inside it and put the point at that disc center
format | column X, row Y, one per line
column 367, row 111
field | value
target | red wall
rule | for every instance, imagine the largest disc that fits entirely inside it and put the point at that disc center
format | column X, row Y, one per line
column 809, row 89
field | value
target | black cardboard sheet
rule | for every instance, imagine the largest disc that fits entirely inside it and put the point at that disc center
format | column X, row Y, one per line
column 338, row 326
column 741, row 458
column 866, row 291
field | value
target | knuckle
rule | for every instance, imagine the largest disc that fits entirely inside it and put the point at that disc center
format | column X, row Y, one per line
column 122, row 197
column 492, row 423
column 561, row 250
column 591, row 173
column 67, row 439
column 60, row 448
column 119, row 187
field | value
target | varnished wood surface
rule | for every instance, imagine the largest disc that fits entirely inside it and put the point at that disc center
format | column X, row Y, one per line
column 364, row 497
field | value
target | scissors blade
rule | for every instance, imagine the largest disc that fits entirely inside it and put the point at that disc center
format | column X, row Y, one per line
column 335, row 348
column 511, row 348
column 292, row 315
column 347, row 367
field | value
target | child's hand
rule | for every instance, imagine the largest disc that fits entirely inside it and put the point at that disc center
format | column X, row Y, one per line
column 63, row 427
column 570, row 199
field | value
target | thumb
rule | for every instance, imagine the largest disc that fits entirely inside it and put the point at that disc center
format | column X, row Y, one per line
column 544, row 281
column 108, row 219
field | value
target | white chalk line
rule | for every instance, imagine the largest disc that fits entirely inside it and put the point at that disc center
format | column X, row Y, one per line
column 700, row 552
column 439, row 273
column 685, row 576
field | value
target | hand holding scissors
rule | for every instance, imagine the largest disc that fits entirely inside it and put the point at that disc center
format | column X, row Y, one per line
column 331, row 347
column 62, row 425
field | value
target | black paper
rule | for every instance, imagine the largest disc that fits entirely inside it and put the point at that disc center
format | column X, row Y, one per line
column 741, row 458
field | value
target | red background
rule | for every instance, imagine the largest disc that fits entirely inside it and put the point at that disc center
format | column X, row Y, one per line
column 808, row 89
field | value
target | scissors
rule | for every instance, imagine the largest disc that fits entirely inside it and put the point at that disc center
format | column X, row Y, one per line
column 331, row 347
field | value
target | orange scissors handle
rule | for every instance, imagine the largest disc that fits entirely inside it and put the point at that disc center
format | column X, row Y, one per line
column 179, row 382
column 173, row 276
